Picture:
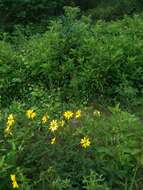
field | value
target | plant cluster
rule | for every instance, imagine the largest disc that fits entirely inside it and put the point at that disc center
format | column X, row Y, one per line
column 78, row 149
column 77, row 59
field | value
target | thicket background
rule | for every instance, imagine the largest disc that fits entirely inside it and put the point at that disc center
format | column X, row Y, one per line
column 38, row 11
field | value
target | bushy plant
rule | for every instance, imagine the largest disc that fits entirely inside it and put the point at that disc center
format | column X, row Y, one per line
column 8, row 70
column 77, row 59
column 84, row 60
column 75, row 149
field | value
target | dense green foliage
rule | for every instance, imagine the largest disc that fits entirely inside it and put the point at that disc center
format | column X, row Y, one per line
column 38, row 11
column 113, row 9
column 80, row 60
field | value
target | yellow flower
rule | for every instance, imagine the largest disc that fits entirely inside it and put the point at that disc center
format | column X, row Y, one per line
column 68, row 115
column 53, row 125
column 97, row 113
column 61, row 123
column 14, row 182
column 9, row 124
column 78, row 114
column 10, row 120
column 44, row 119
column 8, row 130
column 53, row 140
column 30, row 114
column 85, row 142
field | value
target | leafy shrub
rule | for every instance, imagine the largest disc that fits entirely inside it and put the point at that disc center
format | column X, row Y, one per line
column 111, row 159
column 11, row 74
column 84, row 60
column 78, row 60
column 7, row 60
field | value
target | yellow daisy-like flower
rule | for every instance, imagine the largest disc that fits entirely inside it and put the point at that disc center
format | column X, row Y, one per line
column 97, row 113
column 9, row 124
column 31, row 114
column 68, row 115
column 53, row 125
column 85, row 142
column 61, row 123
column 44, row 119
column 14, row 181
column 10, row 120
column 53, row 140
column 78, row 114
